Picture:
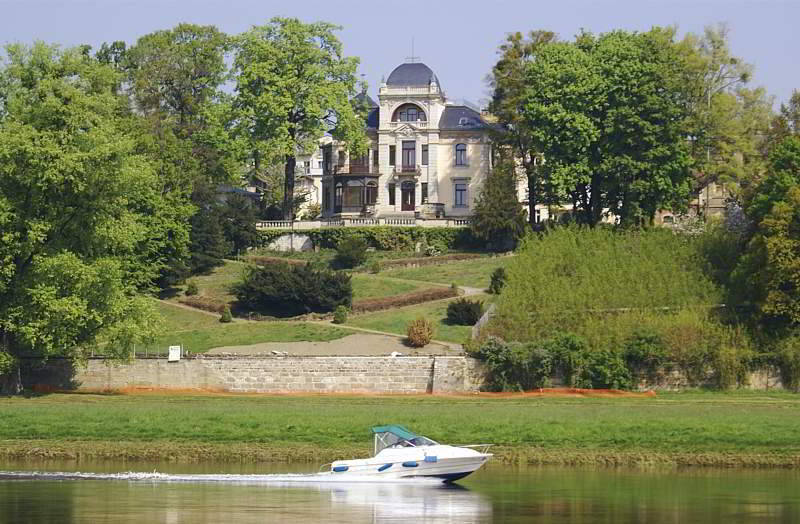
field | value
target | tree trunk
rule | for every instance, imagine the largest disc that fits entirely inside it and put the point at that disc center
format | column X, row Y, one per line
column 288, row 188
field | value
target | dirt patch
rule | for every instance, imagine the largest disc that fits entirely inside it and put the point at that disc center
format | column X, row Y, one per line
column 359, row 344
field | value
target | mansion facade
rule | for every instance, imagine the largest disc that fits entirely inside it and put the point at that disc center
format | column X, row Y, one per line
column 426, row 158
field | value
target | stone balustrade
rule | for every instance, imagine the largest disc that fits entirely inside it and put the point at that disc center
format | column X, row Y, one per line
column 300, row 225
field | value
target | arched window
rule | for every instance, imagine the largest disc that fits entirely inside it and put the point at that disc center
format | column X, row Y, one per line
column 408, row 113
column 352, row 194
column 371, row 193
column 461, row 154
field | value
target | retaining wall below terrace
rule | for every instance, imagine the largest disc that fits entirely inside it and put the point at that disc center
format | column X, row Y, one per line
column 271, row 375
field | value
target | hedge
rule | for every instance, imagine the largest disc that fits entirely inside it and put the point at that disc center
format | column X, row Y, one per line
column 204, row 303
column 406, row 299
column 384, row 238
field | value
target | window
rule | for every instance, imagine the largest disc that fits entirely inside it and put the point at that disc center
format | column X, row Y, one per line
column 374, row 160
column 337, row 198
column 326, row 197
column 328, row 159
column 391, row 194
column 341, row 158
column 307, row 165
column 424, row 154
column 391, row 155
column 408, row 113
column 460, row 194
column 461, row 154
column 352, row 194
column 409, row 153
column 371, row 193
column 424, row 192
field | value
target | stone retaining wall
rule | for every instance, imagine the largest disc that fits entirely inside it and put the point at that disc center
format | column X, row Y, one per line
column 272, row 375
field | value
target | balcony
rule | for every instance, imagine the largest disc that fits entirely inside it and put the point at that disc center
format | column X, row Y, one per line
column 417, row 124
column 408, row 170
column 353, row 169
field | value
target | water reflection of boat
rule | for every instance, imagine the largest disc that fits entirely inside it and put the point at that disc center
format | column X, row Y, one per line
column 410, row 502
column 399, row 453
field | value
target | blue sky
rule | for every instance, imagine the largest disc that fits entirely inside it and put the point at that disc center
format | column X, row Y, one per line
column 457, row 39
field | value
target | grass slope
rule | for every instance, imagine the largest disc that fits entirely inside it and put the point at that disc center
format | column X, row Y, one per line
column 471, row 273
column 396, row 320
column 217, row 284
column 687, row 428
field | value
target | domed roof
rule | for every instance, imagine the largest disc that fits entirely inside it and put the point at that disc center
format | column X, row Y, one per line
column 411, row 74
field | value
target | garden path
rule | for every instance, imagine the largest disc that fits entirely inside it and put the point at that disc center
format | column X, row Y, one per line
column 364, row 343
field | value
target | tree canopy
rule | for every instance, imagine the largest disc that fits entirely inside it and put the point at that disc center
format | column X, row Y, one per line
column 292, row 86
column 85, row 221
column 607, row 112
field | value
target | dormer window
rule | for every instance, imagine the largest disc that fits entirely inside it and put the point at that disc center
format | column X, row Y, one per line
column 408, row 113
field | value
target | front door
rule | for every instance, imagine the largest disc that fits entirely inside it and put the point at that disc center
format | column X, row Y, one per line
column 408, row 195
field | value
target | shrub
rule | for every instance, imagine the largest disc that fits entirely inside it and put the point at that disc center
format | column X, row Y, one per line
column 386, row 238
column 7, row 363
column 312, row 212
column 350, row 252
column 434, row 250
column 568, row 353
column 419, row 332
column 514, row 366
column 645, row 353
column 789, row 361
column 375, row 266
column 226, row 316
column 540, row 367
column 498, row 281
column 340, row 315
column 284, row 290
column 605, row 369
column 464, row 312
column 191, row 288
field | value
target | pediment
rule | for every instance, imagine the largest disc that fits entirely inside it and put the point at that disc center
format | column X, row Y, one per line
column 405, row 130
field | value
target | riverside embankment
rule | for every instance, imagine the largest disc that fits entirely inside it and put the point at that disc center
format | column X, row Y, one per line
column 675, row 429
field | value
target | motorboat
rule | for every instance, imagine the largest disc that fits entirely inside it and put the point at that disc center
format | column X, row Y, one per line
column 400, row 453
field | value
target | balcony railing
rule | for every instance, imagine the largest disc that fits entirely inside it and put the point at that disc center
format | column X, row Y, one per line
column 353, row 169
column 419, row 124
column 407, row 170
column 300, row 225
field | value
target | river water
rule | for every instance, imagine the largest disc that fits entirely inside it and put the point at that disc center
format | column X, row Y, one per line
column 65, row 492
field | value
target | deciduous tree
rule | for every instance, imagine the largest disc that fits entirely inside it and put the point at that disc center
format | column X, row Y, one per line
column 84, row 223
column 293, row 85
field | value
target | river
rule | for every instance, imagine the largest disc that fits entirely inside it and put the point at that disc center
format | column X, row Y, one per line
column 168, row 493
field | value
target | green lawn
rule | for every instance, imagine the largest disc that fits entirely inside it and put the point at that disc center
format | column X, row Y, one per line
column 471, row 273
column 218, row 283
column 374, row 286
column 198, row 332
column 396, row 320
column 688, row 425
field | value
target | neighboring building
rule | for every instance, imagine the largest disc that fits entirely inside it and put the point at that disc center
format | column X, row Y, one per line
column 709, row 199
column 427, row 157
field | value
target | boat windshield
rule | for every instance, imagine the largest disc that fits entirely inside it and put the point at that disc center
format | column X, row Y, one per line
column 398, row 437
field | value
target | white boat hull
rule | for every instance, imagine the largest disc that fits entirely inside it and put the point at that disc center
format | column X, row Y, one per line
column 447, row 463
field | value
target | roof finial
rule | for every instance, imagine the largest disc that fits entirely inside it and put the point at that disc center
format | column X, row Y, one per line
column 412, row 58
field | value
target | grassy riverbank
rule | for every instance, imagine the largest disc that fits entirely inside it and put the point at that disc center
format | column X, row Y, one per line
column 715, row 429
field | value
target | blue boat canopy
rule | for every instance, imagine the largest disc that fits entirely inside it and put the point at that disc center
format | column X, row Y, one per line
column 396, row 430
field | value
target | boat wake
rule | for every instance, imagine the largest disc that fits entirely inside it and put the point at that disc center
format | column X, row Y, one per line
column 272, row 480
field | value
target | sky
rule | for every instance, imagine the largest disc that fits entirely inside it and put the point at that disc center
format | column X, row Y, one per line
column 457, row 39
